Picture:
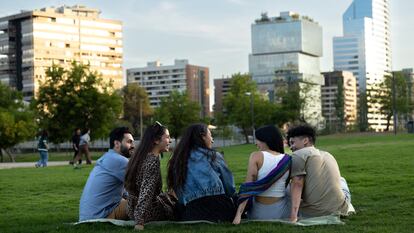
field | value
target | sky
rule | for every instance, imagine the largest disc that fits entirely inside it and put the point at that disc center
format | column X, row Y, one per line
column 216, row 33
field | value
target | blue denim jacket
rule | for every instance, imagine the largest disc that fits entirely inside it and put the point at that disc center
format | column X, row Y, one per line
column 205, row 177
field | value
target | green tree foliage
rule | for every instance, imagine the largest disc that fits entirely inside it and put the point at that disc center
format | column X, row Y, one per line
column 76, row 98
column 177, row 112
column 134, row 97
column 339, row 107
column 16, row 119
column 292, row 97
column 237, row 106
column 384, row 96
column 363, row 111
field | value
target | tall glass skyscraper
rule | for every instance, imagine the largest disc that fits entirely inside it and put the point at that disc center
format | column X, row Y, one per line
column 365, row 50
column 287, row 48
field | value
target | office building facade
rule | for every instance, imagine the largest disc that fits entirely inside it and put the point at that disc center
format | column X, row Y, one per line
column 221, row 88
column 339, row 94
column 160, row 80
column 287, row 48
column 31, row 41
column 365, row 50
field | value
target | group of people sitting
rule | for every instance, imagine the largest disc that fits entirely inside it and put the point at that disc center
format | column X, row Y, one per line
column 200, row 186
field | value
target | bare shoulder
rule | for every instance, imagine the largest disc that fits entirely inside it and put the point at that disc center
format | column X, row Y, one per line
column 256, row 157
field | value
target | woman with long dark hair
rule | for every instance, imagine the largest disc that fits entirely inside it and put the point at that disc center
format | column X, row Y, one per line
column 146, row 201
column 203, row 184
column 266, row 179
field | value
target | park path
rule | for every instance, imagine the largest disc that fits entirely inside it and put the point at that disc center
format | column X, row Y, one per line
column 31, row 164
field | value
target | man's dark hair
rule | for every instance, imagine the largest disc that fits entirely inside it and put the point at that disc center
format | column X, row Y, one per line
column 117, row 134
column 302, row 131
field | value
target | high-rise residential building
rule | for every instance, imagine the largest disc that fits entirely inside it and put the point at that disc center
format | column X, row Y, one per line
column 339, row 99
column 221, row 87
column 365, row 50
column 285, row 49
column 31, row 41
column 160, row 80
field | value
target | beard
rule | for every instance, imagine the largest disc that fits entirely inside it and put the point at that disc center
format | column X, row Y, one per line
column 126, row 152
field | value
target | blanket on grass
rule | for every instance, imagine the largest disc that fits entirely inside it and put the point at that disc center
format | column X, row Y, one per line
column 323, row 220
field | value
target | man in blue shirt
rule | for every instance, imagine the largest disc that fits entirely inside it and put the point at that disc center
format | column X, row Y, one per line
column 102, row 194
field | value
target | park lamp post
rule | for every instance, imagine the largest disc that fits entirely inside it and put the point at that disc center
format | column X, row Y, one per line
column 252, row 114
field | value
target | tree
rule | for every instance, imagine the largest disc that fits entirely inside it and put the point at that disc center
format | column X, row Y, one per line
column 237, row 106
column 76, row 98
column 339, row 107
column 363, row 111
column 136, row 99
column 383, row 95
column 293, row 98
column 177, row 111
column 16, row 120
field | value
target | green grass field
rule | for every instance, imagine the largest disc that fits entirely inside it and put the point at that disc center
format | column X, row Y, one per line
column 379, row 170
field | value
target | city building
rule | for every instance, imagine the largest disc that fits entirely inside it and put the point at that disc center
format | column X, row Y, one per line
column 339, row 99
column 160, row 80
column 221, row 87
column 31, row 41
column 365, row 50
column 286, row 49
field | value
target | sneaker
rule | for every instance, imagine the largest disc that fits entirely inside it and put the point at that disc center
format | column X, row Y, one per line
column 37, row 165
column 70, row 162
column 75, row 166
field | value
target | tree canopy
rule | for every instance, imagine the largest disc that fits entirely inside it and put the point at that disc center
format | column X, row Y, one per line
column 383, row 95
column 177, row 112
column 238, row 104
column 17, row 123
column 77, row 97
column 135, row 97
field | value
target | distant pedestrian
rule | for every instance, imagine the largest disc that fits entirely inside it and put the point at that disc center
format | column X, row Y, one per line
column 85, row 139
column 42, row 147
column 75, row 144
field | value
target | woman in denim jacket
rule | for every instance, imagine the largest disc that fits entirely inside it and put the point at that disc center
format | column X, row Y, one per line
column 200, row 178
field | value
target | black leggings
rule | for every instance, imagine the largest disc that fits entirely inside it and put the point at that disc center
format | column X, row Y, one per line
column 218, row 208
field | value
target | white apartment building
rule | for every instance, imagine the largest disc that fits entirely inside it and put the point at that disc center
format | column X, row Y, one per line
column 31, row 41
column 339, row 83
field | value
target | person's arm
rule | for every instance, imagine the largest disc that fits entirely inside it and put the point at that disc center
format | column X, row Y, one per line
column 225, row 175
column 296, row 187
column 252, row 171
column 147, row 189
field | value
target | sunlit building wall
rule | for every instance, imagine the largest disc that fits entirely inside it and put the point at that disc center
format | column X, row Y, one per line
column 221, row 88
column 339, row 83
column 32, row 41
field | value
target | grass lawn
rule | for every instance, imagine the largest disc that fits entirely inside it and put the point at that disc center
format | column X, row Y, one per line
column 53, row 156
column 379, row 170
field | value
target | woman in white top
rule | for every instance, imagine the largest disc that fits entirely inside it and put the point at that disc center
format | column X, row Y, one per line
column 272, row 203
